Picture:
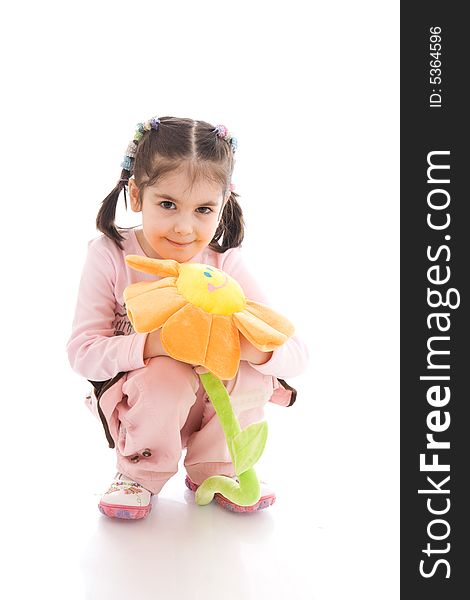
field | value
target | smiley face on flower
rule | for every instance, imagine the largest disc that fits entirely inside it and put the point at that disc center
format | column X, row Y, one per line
column 210, row 289
column 201, row 311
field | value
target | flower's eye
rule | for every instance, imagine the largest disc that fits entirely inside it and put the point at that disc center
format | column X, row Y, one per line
column 207, row 274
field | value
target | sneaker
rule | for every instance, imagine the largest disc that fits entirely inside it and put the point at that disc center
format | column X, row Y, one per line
column 126, row 499
column 267, row 498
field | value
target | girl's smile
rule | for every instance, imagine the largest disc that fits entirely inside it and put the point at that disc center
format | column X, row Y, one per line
column 179, row 244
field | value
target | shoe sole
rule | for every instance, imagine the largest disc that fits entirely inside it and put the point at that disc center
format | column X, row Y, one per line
column 121, row 511
column 263, row 502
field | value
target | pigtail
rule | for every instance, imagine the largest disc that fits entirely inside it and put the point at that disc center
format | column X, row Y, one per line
column 105, row 220
column 231, row 227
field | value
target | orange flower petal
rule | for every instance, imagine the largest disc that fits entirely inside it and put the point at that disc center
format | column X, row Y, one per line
column 186, row 334
column 270, row 317
column 223, row 353
column 257, row 332
column 154, row 266
column 149, row 310
column 142, row 287
column 199, row 338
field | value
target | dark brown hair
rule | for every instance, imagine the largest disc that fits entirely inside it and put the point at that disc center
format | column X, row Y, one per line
column 176, row 142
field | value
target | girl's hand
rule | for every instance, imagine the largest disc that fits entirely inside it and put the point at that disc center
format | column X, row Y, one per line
column 251, row 354
column 153, row 345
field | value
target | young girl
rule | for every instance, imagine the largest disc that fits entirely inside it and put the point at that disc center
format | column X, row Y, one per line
column 178, row 175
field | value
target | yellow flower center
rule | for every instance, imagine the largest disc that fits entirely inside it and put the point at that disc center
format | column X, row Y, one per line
column 210, row 289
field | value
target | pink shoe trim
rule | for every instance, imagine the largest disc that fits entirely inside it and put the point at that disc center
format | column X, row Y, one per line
column 121, row 511
column 263, row 502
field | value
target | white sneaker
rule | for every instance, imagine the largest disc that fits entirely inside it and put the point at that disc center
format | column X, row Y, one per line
column 126, row 499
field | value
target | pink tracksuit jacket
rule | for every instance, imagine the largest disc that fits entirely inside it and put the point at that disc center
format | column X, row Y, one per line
column 152, row 409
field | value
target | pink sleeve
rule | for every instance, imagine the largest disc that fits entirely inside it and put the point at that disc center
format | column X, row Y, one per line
column 291, row 358
column 93, row 350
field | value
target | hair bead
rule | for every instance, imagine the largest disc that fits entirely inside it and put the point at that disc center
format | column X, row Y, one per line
column 126, row 163
column 131, row 149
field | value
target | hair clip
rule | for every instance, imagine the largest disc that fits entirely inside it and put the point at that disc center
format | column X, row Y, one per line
column 224, row 133
column 221, row 131
column 141, row 128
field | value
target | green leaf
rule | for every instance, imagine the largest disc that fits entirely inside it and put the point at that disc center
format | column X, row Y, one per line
column 247, row 446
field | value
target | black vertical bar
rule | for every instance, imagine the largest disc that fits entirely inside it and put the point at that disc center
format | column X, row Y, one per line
column 434, row 259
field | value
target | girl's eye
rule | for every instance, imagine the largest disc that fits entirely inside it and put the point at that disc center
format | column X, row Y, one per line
column 205, row 210
column 166, row 204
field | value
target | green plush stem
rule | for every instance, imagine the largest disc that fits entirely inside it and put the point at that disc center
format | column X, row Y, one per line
column 245, row 493
column 220, row 399
column 245, row 448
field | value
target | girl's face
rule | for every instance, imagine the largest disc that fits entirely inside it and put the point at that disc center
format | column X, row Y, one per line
column 177, row 221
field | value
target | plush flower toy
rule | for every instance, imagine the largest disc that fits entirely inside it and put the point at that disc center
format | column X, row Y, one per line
column 202, row 311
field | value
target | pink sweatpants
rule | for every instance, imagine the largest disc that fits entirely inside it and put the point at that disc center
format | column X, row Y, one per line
column 153, row 413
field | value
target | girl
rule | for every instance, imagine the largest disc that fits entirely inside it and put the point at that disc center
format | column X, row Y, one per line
column 178, row 175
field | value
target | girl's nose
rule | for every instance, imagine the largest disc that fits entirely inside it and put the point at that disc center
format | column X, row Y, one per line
column 183, row 227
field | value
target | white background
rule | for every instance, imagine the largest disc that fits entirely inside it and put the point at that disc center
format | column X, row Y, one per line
column 311, row 91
